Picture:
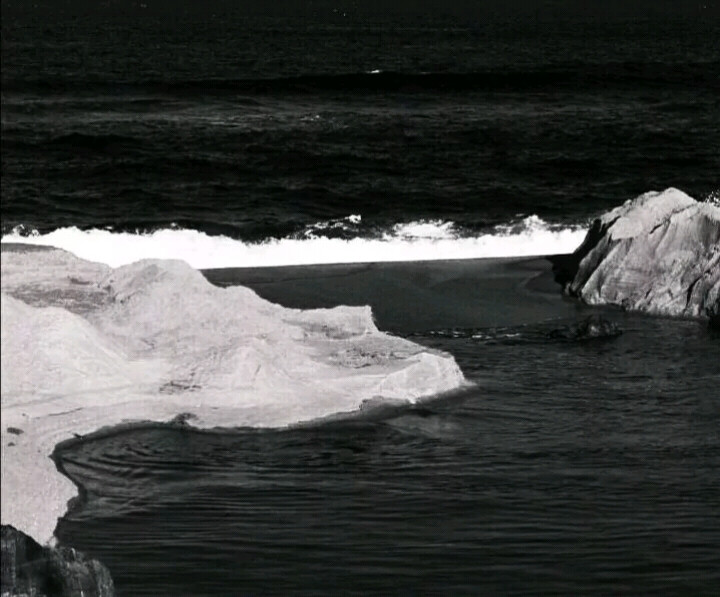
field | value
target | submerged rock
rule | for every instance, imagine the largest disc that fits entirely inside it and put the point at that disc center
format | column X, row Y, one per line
column 594, row 326
column 30, row 569
column 658, row 253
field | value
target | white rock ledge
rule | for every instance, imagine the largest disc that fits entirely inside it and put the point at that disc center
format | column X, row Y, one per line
column 86, row 347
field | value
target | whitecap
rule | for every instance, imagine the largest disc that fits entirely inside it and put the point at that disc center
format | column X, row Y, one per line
column 423, row 240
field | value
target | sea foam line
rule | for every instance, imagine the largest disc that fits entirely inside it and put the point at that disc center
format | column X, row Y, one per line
column 413, row 241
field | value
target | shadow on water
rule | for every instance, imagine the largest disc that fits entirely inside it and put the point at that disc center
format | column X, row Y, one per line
column 571, row 468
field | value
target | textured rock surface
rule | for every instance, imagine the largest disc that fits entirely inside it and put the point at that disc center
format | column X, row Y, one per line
column 658, row 253
column 36, row 571
column 86, row 346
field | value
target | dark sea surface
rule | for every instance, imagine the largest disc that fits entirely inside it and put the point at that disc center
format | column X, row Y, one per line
column 258, row 128
column 573, row 468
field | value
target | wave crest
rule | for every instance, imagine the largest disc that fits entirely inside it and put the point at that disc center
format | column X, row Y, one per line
column 424, row 240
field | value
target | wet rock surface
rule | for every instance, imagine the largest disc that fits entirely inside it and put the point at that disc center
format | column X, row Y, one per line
column 589, row 328
column 658, row 253
column 713, row 312
column 32, row 570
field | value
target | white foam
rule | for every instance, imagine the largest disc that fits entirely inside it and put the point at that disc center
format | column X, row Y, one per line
column 424, row 229
column 412, row 241
column 347, row 224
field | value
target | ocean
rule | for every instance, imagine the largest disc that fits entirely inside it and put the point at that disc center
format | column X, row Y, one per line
column 247, row 142
column 572, row 469
column 268, row 129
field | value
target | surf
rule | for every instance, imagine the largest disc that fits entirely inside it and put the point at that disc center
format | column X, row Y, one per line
column 420, row 240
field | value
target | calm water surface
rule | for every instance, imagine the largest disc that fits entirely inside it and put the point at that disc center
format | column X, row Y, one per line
column 573, row 468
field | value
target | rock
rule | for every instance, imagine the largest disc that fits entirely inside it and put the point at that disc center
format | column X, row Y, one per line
column 658, row 253
column 590, row 327
column 154, row 341
column 33, row 570
column 713, row 313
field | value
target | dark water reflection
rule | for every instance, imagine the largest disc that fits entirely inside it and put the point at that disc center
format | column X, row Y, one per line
column 573, row 468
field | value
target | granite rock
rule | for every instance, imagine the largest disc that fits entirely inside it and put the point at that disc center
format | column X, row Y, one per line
column 658, row 253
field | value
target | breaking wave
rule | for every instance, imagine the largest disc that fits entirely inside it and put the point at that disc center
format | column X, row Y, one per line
column 424, row 240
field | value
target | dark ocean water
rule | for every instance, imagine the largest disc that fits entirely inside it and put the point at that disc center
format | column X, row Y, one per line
column 259, row 128
column 573, row 468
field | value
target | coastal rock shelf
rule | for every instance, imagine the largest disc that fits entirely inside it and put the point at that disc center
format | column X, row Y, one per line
column 658, row 253
column 86, row 347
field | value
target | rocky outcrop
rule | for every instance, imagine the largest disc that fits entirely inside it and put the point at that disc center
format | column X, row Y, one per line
column 36, row 571
column 87, row 347
column 658, row 253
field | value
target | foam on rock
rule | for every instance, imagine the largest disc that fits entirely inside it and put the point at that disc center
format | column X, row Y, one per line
column 86, row 347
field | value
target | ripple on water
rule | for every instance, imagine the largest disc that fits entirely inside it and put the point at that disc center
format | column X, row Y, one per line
column 572, row 468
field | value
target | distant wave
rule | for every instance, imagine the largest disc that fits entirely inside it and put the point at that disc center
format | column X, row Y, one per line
column 78, row 142
column 94, row 142
column 699, row 74
column 408, row 241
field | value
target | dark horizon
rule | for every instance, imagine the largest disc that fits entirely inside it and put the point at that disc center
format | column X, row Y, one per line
column 533, row 9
